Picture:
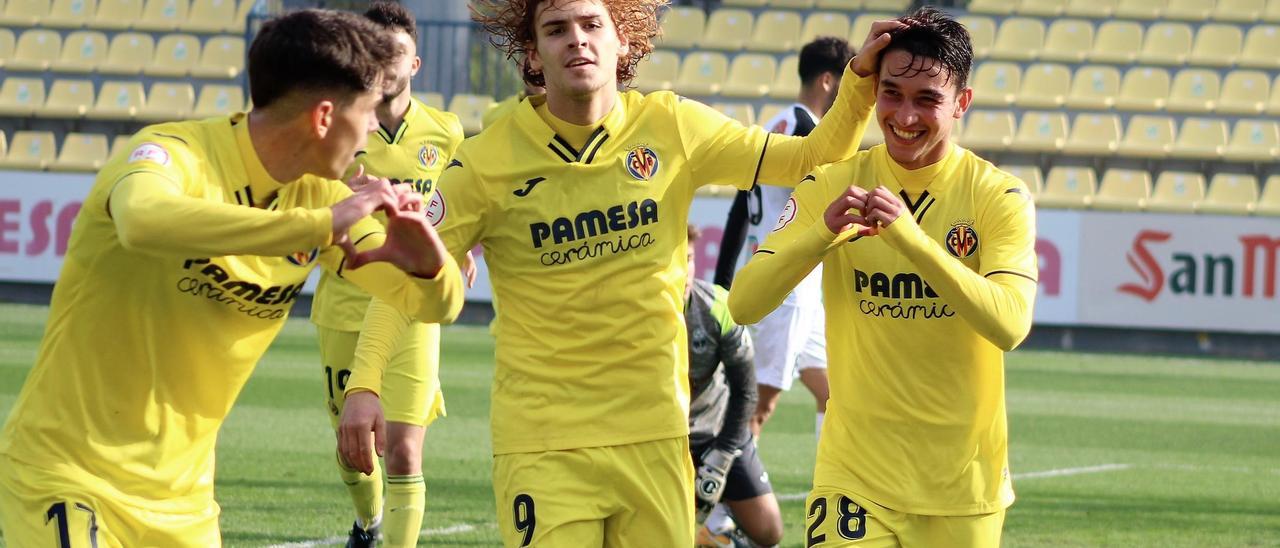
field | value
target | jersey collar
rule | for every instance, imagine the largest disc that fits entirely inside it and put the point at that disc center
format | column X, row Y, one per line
column 537, row 129
column 933, row 178
column 261, row 187
column 393, row 136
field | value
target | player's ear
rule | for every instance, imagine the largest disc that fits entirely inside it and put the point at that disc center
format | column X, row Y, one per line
column 321, row 117
column 417, row 64
column 963, row 99
column 532, row 59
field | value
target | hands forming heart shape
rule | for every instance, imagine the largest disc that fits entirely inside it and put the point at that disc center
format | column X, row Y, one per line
column 866, row 211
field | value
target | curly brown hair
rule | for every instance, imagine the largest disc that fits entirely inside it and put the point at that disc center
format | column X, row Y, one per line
column 510, row 24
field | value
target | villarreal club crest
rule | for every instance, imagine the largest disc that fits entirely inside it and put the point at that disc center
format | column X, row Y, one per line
column 642, row 163
column 962, row 240
column 303, row 258
column 428, row 155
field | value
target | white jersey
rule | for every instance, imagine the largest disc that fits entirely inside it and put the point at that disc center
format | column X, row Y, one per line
column 767, row 202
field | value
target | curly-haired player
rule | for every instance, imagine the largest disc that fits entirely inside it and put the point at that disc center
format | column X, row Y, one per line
column 580, row 198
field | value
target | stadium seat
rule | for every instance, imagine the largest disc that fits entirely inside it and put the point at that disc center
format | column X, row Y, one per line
column 1147, row 136
column 702, row 73
column 1261, row 44
column 1123, row 190
column 982, row 34
column 213, row 16
column 1069, row 41
column 116, row 14
column 1216, row 45
column 682, row 27
column 1068, row 187
column 1271, row 13
column 69, row 14
column 1018, row 39
column 1143, row 89
column 118, row 145
column 1269, row 203
column 1177, row 192
column 1041, row 8
column 1238, row 11
column 786, row 83
column 118, row 101
column 223, row 57
column 33, row 150
column 430, row 98
column 162, row 15
column 993, row 7
column 7, row 45
column 1095, row 9
column 742, row 112
column 21, row 97
column 1244, row 92
column 824, row 24
column 4, row 145
column 1093, row 135
column 791, row 4
column 996, row 83
column 237, row 25
column 844, row 5
column 728, row 29
column 1166, row 43
column 129, row 53
column 990, row 130
column 176, row 55
column 746, row 3
column 1201, row 139
column 218, row 100
column 657, row 72
column 1044, row 85
column 1116, row 42
column 1230, row 194
column 1273, row 102
column 1254, row 140
column 768, row 111
column 1040, row 132
column 67, row 99
column 1140, row 9
column 81, row 152
column 895, row 6
column 1188, row 10
column 1030, row 175
column 24, row 13
column 862, row 27
column 776, row 31
column 1094, row 87
column 36, row 51
column 82, row 52
column 168, row 101
column 470, row 110
column 750, row 75
column 1194, row 91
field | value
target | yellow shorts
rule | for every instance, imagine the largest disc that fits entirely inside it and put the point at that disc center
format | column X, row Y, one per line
column 636, row 495
column 42, row 509
column 411, row 389
column 836, row 519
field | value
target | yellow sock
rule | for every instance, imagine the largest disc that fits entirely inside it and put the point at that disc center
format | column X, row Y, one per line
column 366, row 491
column 406, row 502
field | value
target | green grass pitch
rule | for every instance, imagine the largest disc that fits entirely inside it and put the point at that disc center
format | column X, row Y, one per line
column 1106, row 450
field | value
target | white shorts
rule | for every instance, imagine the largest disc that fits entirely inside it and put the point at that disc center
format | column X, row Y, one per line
column 792, row 337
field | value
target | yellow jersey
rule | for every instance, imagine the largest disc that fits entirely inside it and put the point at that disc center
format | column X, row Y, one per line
column 502, row 108
column 917, row 320
column 414, row 153
column 182, row 266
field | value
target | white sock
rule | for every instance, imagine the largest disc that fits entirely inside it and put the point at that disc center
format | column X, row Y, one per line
column 377, row 520
column 719, row 521
column 817, row 425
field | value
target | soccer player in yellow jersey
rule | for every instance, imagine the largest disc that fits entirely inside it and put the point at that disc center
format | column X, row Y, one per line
column 929, row 274
column 580, row 200
column 412, row 145
column 182, row 267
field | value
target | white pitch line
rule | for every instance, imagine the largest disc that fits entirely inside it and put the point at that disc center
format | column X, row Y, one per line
column 455, row 529
column 1024, row 476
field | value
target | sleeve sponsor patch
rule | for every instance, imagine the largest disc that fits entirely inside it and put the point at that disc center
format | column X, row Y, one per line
column 150, row 152
column 788, row 214
column 436, row 208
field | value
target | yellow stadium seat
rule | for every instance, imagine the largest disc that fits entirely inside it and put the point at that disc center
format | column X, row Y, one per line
column 702, row 73
column 895, row 6
column 223, row 57
column 982, row 34
column 1244, row 92
column 129, row 53
column 1260, row 47
column 1018, row 39
column 1271, row 13
column 1116, row 42
column 1042, row 8
column 1093, row 135
column 791, row 4
column 67, row 99
column 1094, row 87
column 1201, row 139
column 1030, row 175
column 21, row 97
column 118, row 145
column 1238, row 11
column 776, row 31
column 82, row 51
column 116, row 14
column 24, row 13
column 1273, row 102
column 33, row 150
column 81, row 152
column 430, row 98
column 220, row 100
column 118, row 101
column 7, row 45
column 750, row 76
column 168, row 101
column 1177, row 192
column 742, row 112
column 1044, row 85
column 768, row 111
column 1040, row 132
column 69, row 14
column 1166, row 43
column 862, row 27
column 470, row 110
column 1069, row 40
column 1068, row 187
column 1216, row 45
column 1195, row 91
column 1269, row 203
column 1097, row 9
column 682, row 27
column 657, row 72
column 846, row 5
column 824, row 24
column 4, row 146
column 1147, row 136
column 1230, row 194
column 176, row 55
column 786, row 82
column 1188, row 10
column 1254, row 140
column 996, row 83
column 237, row 25
column 1123, row 190
column 728, row 29
column 990, row 130
column 1143, row 89
column 210, row 16
column 746, row 3
column 1140, row 9
column 162, row 15
column 37, row 49
column 993, row 7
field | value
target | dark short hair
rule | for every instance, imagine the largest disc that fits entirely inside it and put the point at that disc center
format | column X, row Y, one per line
column 824, row 54
column 393, row 16
column 321, row 50
column 935, row 41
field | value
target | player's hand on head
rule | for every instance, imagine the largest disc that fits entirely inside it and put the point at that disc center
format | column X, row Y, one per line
column 847, row 212
column 412, row 245
column 867, row 61
column 362, row 431
column 883, row 207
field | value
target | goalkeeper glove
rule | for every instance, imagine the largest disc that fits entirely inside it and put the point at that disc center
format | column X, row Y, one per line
column 709, row 485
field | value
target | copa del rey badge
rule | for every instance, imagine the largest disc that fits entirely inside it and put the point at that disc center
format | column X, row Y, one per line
column 788, row 214
column 642, row 163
